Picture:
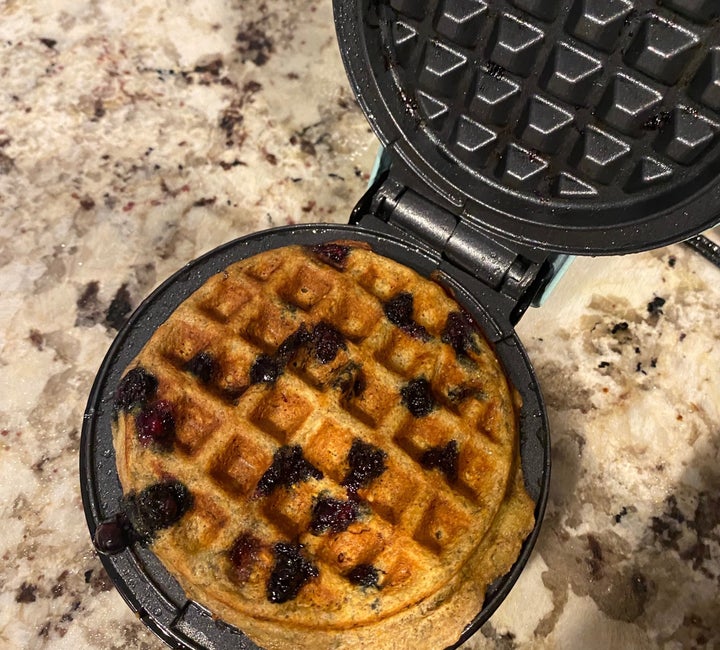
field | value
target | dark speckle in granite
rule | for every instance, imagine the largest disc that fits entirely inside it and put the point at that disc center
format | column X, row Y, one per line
column 212, row 67
column 119, row 309
column 37, row 339
column 254, row 43
column 504, row 641
column 6, row 164
column 619, row 327
column 595, row 561
column 88, row 305
column 666, row 527
column 27, row 593
column 98, row 110
column 58, row 589
column 707, row 515
column 690, row 525
column 86, row 202
column 205, row 201
column 98, row 579
column 655, row 305
column 232, row 117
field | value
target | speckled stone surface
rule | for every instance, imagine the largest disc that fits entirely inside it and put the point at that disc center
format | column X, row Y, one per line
column 134, row 136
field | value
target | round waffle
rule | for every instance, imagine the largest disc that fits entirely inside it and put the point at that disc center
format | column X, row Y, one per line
column 322, row 448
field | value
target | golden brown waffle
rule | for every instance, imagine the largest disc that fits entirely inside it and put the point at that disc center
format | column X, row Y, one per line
column 349, row 443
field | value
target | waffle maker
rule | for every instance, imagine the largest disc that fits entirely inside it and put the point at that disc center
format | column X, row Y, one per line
column 516, row 133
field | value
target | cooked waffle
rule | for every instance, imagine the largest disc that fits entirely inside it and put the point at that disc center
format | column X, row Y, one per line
column 349, row 443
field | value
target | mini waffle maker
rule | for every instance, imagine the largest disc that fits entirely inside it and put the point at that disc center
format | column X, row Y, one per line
column 516, row 132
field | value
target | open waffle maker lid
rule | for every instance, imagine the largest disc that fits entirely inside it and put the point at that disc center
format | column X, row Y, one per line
column 577, row 126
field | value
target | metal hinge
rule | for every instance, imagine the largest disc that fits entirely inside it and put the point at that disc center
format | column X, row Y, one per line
column 514, row 276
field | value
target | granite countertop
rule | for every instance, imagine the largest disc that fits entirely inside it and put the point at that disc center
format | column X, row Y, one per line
column 136, row 135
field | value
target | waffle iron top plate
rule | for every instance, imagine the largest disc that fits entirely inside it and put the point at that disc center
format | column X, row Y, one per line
column 582, row 126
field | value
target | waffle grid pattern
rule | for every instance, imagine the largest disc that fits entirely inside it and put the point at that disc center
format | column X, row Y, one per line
column 413, row 517
column 584, row 100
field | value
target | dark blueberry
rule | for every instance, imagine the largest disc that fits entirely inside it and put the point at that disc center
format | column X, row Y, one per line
column 366, row 462
column 443, row 458
column 136, row 388
column 417, row 331
column 204, row 366
column 290, row 573
column 156, row 424
column 326, row 342
column 156, row 507
column 333, row 254
column 364, row 575
column 417, row 397
column 399, row 311
column 244, row 555
column 350, row 381
column 334, row 515
column 458, row 333
column 265, row 370
column 290, row 346
column 113, row 535
column 288, row 468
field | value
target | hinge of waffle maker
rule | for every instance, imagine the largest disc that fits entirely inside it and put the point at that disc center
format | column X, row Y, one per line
column 514, row 277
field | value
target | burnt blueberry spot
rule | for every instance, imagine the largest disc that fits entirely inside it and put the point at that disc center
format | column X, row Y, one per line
column 244, row 554
column 366, row 462
column 417, row 397
column 364, row 575
column 291, row 571
column 157, row 506
column 288, row 468
column 333, row 254
column 265, row 370
column 458, row 333
column 292, row 344
column 444, row 458
column 399, row 311
column 350, row 381
column 333, row 515
column 204, row 366
column 458, row 394
column 156, row 424
column 113, row 535
column 136, row 388
column 326, row 342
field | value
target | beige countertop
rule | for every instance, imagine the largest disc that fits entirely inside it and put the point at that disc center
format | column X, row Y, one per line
column 137, row 135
